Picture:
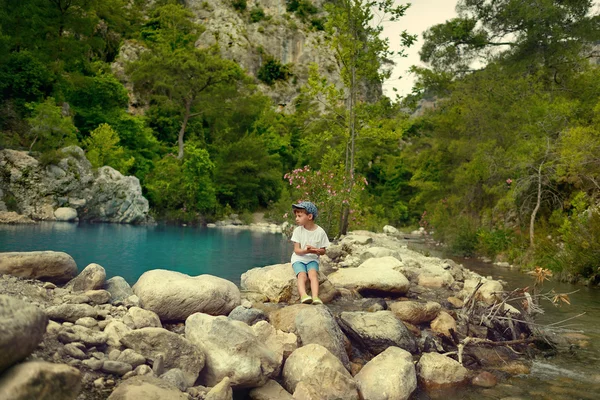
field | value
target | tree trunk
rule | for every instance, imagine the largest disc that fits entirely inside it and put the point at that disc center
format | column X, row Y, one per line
column 186, row 117
column 536, row 208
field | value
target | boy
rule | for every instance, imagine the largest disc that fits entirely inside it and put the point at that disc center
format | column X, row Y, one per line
column 310, row 241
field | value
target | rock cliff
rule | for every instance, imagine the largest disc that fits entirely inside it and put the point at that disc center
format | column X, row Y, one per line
column 69, row 189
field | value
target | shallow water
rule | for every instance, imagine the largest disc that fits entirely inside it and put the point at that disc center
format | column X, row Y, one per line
column 129, row 251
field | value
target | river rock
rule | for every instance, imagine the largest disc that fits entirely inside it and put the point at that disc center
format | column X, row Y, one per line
column 314, row 368
column 249, row 316
column 175, row 296
column 277, row 282
column 281, row 343
column 317, row 325
column 92, row 277
column 22, row 327
column 232, row 349
column 443, row 324
column 71, row 312
column 390, row 230
column 118, row 288
column 116, row 367
column 490, row 292
column 390, row 375
column 66, row 214
column 285, row 318
column 131, row 357
column 222, row 391
column 147, row 388
column 379, row 252
column 40, row 380
column 98, row 296
column 52, row 266
column 177, row 352
column 436, row 371
column 270, row 391
column 375, row 274
column 141, row 318
column 115, row 331
column 415, row 312
column 176, row 377
column 485, row 379
column 357, row 239
column 378, row 330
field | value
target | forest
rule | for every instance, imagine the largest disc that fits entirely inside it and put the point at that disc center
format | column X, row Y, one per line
column 495, row 153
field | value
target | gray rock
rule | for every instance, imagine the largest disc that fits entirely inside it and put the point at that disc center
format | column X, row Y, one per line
column 146, row 388
column 390, row 375
column 377, row 331
column 92, row 277
column 22, row 327
column 131, row 357
column 176, row 377
column 52, row 266
column 98, row 296
column 437, row 371
column 66, row 214
column 70, row 312
column 415, row 312
column 175, row 296
column 222, row 391
column 116, row 367
column 141, row 318
column 270, row 391
column 177, row 351
column 73, row 351
column 93, row 364
column 248, row 315
column 118, row 288
column 116, row 330
column 40, row 380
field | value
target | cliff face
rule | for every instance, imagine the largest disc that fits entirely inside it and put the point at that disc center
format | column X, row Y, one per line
column 280, row 34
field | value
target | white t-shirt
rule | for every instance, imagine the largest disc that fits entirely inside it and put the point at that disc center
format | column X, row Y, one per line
column 317, row 238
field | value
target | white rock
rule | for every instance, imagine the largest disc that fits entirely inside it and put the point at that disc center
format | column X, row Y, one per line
column 389, row 376
column 65, row 214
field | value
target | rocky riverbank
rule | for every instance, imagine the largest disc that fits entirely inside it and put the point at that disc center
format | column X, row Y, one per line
column 393, row 325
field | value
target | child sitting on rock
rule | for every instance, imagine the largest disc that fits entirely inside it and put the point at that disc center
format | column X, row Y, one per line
column 310, row 241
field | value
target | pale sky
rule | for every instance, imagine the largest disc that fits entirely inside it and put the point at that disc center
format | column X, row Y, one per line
column 421, row 15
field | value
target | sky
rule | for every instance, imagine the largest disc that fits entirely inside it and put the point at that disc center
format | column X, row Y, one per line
column 421, row 15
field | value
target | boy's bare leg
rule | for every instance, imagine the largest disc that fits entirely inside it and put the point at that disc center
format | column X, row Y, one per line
column 313, row 275
column 302, row 283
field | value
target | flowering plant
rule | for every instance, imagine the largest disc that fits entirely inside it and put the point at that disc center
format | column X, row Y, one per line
column 330, row 190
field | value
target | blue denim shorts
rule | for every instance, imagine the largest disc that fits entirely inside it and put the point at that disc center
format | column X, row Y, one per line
column 300, row 266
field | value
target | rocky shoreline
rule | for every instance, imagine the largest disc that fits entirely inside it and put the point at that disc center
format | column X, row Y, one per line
column 393, row 326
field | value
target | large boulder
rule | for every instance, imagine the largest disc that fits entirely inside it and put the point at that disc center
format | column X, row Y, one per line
column 52, row 266
column 436, row 371
column 232, row 349
column 313, row 372
column 270, row 391
column 285, row 318
column 415, row 312
column 278, row 284
column 175, row 296
column 22, row 327
column 379, row 252
column 377, row 331
column 375, row 274
column 91, row 278
column 118, row 288
column 147, row 388
column 389, row 376
column 40, row 380
column 175, row 351
column 317, row 325
column 66, row 214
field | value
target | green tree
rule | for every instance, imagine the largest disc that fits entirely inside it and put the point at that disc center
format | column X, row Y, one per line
column 103, row 149
column 50, row 128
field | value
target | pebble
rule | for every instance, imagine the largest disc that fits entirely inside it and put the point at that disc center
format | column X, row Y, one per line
column 93, row 364
column 88, row 322
column 114, row 355
column 49, row 285
column 116, row 367
column 99, row 383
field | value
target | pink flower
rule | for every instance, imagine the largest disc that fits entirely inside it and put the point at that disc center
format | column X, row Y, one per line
column 509, row 181
column 298, row 187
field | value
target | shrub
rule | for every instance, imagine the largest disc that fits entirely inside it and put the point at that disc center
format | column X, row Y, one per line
column 272, row 70
column 239, row 5
column 491, row 242
column 257, row 14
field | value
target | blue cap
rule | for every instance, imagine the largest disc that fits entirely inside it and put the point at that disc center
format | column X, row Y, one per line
column 308, row 206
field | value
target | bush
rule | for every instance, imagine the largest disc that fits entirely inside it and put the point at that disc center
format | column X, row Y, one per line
column 257, row 14
column 239, row 5
column 302, row 8
column 272, row 70
column 491, row 242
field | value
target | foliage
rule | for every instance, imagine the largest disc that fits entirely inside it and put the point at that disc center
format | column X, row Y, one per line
column 302, row 8
column 50, row 129
column 272, row 70
column 239, row 5
column 103, row 149
column 257, row 14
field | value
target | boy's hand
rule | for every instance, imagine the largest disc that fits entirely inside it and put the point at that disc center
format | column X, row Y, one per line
column 310, row 249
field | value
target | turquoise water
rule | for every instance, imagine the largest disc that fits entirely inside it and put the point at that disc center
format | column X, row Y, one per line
column 129, row 251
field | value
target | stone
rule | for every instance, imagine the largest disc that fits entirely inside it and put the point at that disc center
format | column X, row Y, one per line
column 118, row 288
column 116, row 367
column 93, row 364
column 378, row 252
column 147, row 388
column 455, row 301
column 390, row 230
column 66, row 214
column 52, row 266
column 443, row 324
column 89, row 336
column 40, row 380
column 98, row 296
column 285, row 318
column 375, row 274
column 70, row 312
column 314, row 368
column 131, row 357
column 232, row 349
column 357, row 240
column 270, row 391
column 22, row 328
column 92, row 277
column 249, row 316
column 281, row 343
column 176, row 351
column 116, row 330
column 378, row 330
column 144, row 318
column 415, row 312
column 436, row 372
column 222, row 391
column 490, row 292
column 318, row 325
column 88, row 322
column 176, row 377
column 485, row 379
column 72, row 350
column 175, row 296
column 390, row 375
column 276, row 282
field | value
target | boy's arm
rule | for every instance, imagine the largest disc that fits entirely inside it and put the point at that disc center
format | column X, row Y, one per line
column 299, row 251
column 315, row 250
